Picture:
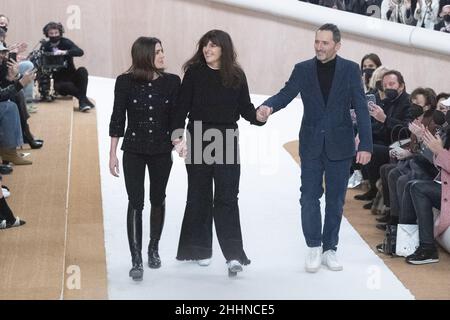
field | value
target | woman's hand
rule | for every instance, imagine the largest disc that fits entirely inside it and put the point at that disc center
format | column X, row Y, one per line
column 434, row 143
column 114, row 165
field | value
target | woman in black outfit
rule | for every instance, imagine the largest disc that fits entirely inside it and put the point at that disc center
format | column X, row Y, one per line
column 214, row 94
column 145, row 94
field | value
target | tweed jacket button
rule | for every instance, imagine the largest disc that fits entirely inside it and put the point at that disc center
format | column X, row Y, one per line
column 133, row 134
column 149, row 95
column 150, row 131
column 150, row 108
column 135, row 101
column 149, row 84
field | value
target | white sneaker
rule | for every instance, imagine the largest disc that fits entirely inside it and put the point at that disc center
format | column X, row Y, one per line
column 313, row 259
column 355, row 180
column 329, row 259
column 234, row 266
column 6, row 193
column 204, row 262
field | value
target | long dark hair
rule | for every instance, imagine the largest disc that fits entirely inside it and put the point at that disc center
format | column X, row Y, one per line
column 230, row 71
column 143, row 59
column 371, row 56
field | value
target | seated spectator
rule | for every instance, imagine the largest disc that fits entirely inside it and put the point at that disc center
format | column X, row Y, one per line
column 7, row 219
column 422, row 196
column 389, row 119
column 9, row 71
column 24, row 65
column 411, row 164
column 426, row 13
column 443, row 102
column 334, row 4
column 69, row 81
column 10, row 127
column 397, row 11
column 444, row 24
column 369, row 63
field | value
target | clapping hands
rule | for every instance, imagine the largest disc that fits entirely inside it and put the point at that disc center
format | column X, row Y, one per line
column 417, row 128
column 263, row 113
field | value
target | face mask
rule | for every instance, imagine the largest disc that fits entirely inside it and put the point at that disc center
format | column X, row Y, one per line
column 379, row 86
column 5, row 28
column 54, row 39
column 368, row 74
column 447, row 18
column 391, row 94
column 416, row 111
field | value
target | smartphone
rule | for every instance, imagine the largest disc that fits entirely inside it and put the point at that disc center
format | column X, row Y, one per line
column 13, row 56
column 371, row 101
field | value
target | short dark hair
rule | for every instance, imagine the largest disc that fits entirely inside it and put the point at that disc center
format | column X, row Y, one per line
column 396, row 73
column 334, row 29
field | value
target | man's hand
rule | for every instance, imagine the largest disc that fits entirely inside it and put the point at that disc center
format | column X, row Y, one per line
column 377, row 113
column 363, row 157
column 263, row 113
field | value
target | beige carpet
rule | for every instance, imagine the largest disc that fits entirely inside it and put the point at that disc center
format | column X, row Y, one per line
column 429, row 282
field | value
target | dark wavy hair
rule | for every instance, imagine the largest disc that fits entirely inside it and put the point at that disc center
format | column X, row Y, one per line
column 143, row 59
column 230, row 71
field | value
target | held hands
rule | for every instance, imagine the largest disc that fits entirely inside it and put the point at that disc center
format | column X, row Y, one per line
column 263, row 113
column 114, row 166
column 400, row 153
column 377, row 113
column 180, row 147
column 434, row 143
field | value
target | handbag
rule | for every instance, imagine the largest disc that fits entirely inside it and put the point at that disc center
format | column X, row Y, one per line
column 407, row 239
column 390, row 239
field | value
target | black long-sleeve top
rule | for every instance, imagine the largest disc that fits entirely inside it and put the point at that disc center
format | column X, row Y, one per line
column 203, row 97
column 325, row 73
column 65, row 44
column 149, row 107
column 8, row 89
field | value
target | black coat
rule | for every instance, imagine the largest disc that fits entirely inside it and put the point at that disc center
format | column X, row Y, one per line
column 65, row 44
column 149, row 107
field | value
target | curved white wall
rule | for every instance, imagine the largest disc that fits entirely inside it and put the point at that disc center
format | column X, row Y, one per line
column 359, row 25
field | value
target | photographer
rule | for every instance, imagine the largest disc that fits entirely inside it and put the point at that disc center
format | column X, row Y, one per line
column 69, row 81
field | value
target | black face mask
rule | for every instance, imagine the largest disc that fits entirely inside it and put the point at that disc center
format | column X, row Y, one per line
column 416, row 111
column 391, row 94
column 379, row 86
column 447, row 18
column 5, row 28
column 368, row 74
column 54, row 39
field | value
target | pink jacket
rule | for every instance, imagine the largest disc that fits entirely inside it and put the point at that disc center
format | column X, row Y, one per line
column 443, row 221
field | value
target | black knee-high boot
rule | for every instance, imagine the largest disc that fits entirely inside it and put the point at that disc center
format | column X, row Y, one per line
column 157, row 216
column 134, row 228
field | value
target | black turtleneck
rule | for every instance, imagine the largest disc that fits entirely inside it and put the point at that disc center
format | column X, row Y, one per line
column 325, row 73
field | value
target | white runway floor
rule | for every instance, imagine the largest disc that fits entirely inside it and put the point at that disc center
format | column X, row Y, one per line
column 270, row 218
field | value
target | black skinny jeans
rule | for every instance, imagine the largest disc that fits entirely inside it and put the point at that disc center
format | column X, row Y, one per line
column 159, row 167
column 419, row 199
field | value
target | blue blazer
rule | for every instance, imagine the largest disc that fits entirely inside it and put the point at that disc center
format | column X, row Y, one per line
column 328, row 127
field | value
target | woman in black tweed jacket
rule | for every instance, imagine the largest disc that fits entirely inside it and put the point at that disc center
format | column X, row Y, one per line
column 145, row 95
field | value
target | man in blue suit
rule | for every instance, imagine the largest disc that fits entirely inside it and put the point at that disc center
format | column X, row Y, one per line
column 329, row 86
